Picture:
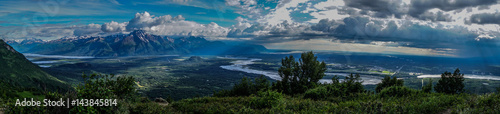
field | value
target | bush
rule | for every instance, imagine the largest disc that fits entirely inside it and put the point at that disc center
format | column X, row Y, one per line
column 352, row 85
column 450, row 83
column 397, row 91
column 267, row 99
column 428, row 87
column 105, row 87
column 388, row 82
column 317, row 93
column 246, row 87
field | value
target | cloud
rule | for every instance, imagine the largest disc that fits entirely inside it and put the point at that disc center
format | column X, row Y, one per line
column 281, row 12
column 114, row 2
column 264, row 32
column 91, row 29
column 165, row 25
column 485, row 18
column 114, row 26
column 382, row 8
column 439, row 16
column 62, row 7
column 51, row 31
column 416, row 34
column 419, row 9
column 161, row 25
column 168, row 25
column 325, row 25
column 420, row 6
column 248, row 8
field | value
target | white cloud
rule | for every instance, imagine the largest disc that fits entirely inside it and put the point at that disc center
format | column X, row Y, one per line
column 248, row 8
column 114, row 26
column 91, row 29
column 166, row 25
column 281, row 12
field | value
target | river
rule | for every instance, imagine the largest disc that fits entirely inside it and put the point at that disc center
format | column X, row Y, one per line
column 241, row 65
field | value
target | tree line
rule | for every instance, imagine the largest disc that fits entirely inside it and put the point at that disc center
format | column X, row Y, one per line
column 302, row 77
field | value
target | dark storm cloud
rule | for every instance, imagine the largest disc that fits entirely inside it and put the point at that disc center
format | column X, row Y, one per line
column 383, row 8
column 439, row 16
column 420, row 6
column 485, row 18
column 363, row 29
column 325, row 25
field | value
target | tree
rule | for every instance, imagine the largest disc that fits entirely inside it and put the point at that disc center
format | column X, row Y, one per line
column 388, row 82
column 428, row 87
column 353, row 84
column 243, row 88
column 246, row 87
column 297, row 77
column 450, row 83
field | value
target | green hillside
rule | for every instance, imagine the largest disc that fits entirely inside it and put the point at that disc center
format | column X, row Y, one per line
column 18, row 73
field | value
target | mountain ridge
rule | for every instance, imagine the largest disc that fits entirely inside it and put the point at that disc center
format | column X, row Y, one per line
column 136, row 43
column 19, row 72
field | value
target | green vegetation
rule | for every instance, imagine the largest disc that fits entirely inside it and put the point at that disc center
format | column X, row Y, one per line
column 428, row 87
column 337, row 90
column 298, row 77
column 450, row 83
column 259, row 96
column 159, row 76
column 246, row 87
column 97, row 87
column 388, row 82
column 19, row 74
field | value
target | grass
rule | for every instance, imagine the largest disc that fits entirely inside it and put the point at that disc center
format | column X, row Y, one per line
column 30, row 94
column 419, row 103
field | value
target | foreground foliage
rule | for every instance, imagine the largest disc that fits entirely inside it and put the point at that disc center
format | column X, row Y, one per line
column 417, row 102
column 302, row 94
column 299, row 76
column 450, row 83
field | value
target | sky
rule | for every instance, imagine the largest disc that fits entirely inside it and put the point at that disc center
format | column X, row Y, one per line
column 455, row 28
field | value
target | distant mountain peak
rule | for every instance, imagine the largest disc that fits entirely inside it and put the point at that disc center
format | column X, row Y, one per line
column 31, row 40
column 138, row 32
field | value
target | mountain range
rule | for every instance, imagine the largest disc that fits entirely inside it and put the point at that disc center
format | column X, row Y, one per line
column 137, row 42
column 19, row 73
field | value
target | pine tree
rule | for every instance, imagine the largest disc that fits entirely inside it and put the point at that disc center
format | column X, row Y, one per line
column 450, row 83
column 297, row 77
column 388, row 82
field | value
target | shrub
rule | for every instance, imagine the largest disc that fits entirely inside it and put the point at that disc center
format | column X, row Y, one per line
column 246, row 87
column 105, row 87
column 388, row 82
column 350, row 86
column 317, row 93
column 428, row 87
column 397, row 91
column 450, row 83
column 267, row 99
